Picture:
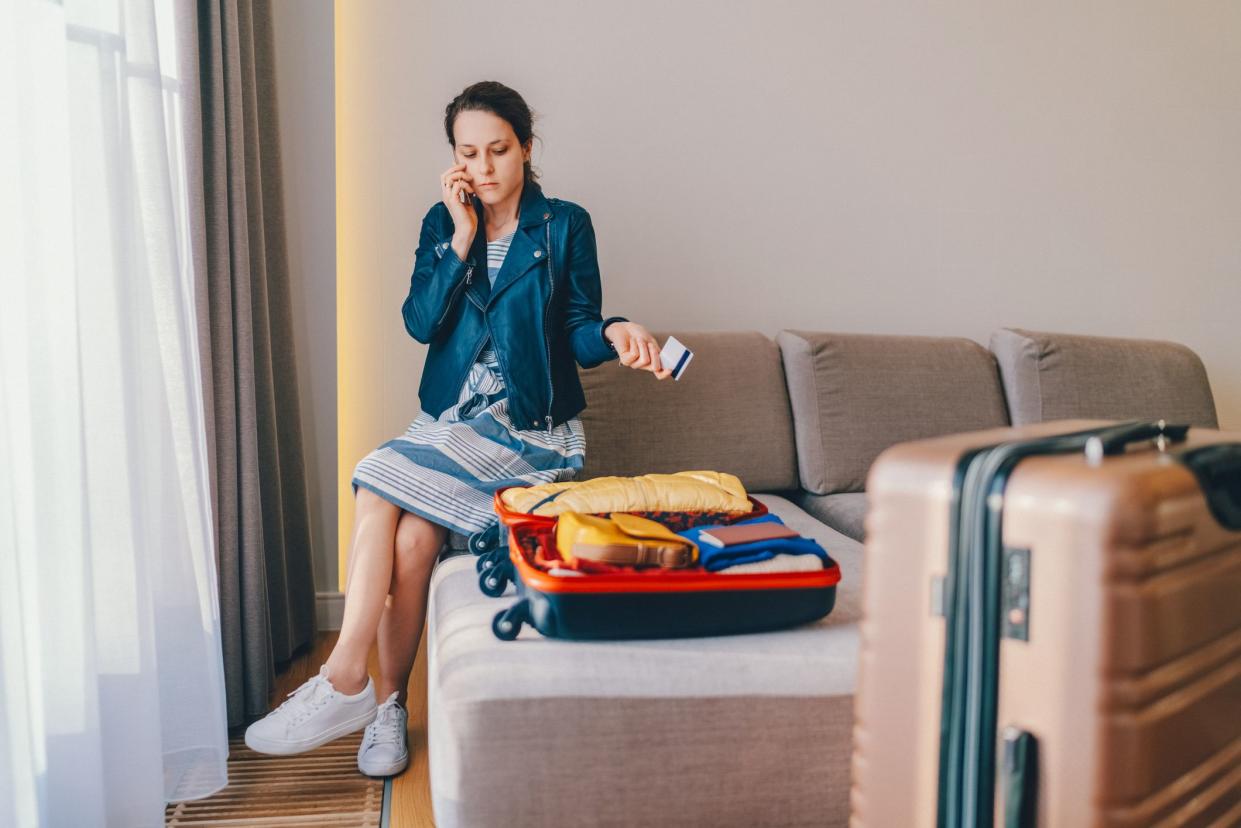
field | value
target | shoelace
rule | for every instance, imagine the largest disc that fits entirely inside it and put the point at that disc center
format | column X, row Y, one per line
column 306, row 699
column 387, row 725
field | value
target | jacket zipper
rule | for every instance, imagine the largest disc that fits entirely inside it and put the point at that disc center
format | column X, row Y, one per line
column 551, row 289
column 470, row 366
column 469, row 269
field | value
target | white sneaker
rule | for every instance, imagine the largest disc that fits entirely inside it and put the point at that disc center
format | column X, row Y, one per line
column 384, row 750
column 314, row 714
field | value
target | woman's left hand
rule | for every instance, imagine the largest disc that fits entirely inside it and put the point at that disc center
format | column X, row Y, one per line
column 637, row 348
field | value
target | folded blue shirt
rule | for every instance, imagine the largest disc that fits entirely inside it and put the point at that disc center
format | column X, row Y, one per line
column 714, row 558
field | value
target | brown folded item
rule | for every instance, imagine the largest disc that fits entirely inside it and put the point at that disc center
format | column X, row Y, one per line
column 746, row 533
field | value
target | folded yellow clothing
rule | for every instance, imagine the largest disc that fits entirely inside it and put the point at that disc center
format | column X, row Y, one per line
column 621, row 539
column 683, row 491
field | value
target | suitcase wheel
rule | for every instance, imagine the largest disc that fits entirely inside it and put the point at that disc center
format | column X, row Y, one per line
column 490, row 559
column 481, row 543
column 494, row 581
column 507, row 623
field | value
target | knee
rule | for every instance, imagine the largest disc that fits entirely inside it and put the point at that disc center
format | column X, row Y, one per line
column 418, row 543
column 368, row 503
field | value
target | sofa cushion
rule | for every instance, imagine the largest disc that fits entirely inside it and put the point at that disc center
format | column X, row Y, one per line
column 636, row 424
column 853, row 395
column 1054, row 376
column 537, row 732
column 845, row 512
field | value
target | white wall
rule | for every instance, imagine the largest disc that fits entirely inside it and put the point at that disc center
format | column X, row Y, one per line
column 916, row 168
column 305, row 92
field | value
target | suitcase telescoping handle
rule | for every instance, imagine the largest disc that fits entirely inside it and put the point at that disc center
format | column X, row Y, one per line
column 1116, row 439
column 1218, row 469
column 1217, row 466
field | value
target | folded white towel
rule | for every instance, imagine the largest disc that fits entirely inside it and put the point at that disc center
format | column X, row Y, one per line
column 776, row 563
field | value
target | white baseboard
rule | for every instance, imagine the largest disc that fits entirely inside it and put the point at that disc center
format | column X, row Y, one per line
column 329, row 610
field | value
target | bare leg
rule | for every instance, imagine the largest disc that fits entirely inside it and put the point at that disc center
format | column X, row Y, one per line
column 366, row 589
column 418, row 543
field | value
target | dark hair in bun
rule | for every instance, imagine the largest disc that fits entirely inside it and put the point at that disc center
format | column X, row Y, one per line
column 499, row 100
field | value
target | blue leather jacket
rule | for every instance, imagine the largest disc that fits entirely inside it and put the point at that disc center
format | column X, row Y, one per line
column 542, row 314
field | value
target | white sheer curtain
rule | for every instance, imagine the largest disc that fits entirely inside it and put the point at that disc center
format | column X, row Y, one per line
column 111, row 679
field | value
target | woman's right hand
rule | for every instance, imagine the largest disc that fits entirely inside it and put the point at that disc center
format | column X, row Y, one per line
column 456, row 180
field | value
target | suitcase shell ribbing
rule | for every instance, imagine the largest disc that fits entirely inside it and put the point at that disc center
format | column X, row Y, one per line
column 1131, row 675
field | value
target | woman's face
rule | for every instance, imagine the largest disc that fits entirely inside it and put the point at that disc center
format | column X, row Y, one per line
column 488, row 147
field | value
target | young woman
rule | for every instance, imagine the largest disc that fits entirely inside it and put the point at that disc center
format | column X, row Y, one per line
column 506, row 293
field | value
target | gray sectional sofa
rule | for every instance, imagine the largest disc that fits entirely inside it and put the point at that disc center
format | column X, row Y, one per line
column 753, row 729
column 854, row 395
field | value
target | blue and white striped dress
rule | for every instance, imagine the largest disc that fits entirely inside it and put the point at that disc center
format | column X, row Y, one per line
column 448, row 469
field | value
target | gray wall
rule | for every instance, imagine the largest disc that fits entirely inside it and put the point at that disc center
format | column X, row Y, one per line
column 948, row 169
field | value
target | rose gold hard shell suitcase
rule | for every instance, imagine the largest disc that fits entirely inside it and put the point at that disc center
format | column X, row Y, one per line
column 1114, row 623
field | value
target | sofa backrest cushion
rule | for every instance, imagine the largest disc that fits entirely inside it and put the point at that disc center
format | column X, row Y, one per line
column 1055, row 376
column 728, row 412
column 854, row 395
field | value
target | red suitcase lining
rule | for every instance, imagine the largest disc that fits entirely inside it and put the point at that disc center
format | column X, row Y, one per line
column 532, row 548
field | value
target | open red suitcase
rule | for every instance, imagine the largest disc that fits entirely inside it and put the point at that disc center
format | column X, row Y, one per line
column 647, row 603
column 496, row 570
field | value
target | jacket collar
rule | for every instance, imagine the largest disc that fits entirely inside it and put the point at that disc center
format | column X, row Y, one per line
column 527, row 249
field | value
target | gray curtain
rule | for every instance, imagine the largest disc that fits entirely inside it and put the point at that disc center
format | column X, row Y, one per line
column 245, row 334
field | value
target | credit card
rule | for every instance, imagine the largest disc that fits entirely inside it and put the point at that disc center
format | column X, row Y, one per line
column 675, row 357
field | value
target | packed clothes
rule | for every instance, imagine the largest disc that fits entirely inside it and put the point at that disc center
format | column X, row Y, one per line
column 684, row 491
column 622, row 539
column 716, row 558
column 776, row 563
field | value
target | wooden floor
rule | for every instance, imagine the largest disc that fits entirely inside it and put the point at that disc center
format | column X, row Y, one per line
column 411, row 790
